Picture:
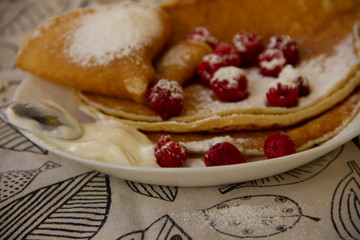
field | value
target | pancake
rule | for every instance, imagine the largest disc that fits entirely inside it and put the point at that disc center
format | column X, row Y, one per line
column 329, row 57
column 329, row 44
column 251, row 143
column 107, row 49
column 179, row 63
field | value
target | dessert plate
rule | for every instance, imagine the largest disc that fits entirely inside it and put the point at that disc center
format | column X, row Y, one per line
column 33, row 89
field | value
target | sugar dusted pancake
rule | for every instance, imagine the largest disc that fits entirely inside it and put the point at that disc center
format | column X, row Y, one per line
column 179, row 62
column 329, row 44
column 107, row 50
column 329, row 57
column 251, row 143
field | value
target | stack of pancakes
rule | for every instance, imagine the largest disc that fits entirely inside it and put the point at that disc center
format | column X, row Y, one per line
column 329, row 43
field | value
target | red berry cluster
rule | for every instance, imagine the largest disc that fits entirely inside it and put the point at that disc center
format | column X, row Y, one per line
column 242, row 52
column 208, row 66
column 247, row 49
column 281, row 50
column 173, row 154
column 287, row 45
column 229, row 54
column 224, row 55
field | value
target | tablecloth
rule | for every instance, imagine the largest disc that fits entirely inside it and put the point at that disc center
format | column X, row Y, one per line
column 45, row 196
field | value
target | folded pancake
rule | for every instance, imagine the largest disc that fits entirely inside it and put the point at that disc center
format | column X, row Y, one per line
column 111, row 80
column 179, row 63
column 107, row 50
column 251, row 142
column 305, row 135
column 328, row 37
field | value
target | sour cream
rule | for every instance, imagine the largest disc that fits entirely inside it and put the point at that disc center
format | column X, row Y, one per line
column 111, row 143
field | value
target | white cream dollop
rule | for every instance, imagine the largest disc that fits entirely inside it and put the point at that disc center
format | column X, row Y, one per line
column 118, row 144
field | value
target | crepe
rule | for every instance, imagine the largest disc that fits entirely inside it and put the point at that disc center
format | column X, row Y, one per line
column 179, row 63
column 107, row 50
column 329, row 42
column 251, row 143
column 329, row 57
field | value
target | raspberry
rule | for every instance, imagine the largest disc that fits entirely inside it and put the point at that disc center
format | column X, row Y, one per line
column 229, row 53
column 278, row 145
column 292, row 76
column 303, row 86
column 223, row 153
column 229, row 84
column 203, row 34
column 169, row 153
column 287, row 45
column 164, row 139
column 208, row 66
column 271, row 62
column 282, row 96
column 249, row 46
column 166, row 98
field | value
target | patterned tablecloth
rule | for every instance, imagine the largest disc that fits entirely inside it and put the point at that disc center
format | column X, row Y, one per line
column 45, row 196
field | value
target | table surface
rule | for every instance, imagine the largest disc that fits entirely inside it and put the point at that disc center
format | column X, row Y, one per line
column 45, row 196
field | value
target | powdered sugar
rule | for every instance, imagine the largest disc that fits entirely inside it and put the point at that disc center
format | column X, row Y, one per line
column 113, row 31
column 247, row 215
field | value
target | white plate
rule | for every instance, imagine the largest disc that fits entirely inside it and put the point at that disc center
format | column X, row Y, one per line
column 33, row 88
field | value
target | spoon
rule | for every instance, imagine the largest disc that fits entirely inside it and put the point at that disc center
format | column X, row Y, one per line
column 44, row 118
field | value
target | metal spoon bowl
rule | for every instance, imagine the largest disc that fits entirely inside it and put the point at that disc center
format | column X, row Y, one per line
column 44, row 118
